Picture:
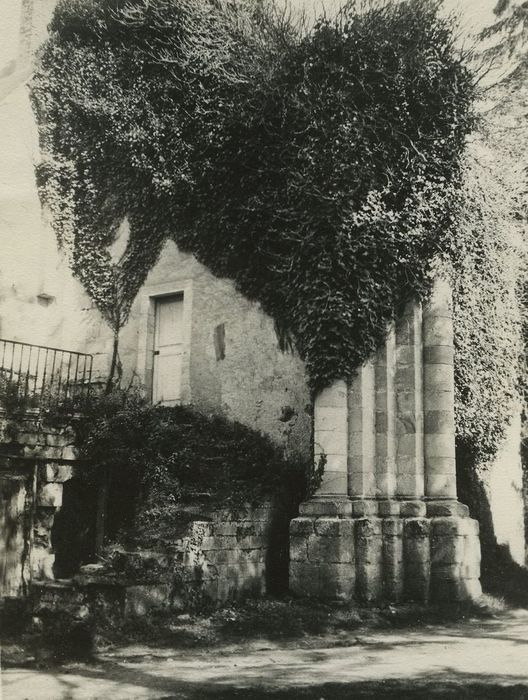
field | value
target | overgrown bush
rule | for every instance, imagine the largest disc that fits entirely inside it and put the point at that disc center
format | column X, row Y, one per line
column 158, row 459
column 320, row 168
column 314, row 168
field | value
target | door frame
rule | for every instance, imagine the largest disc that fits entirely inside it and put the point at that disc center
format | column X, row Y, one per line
column 146, row 330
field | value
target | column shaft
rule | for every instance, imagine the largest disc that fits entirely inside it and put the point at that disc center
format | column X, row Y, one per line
column 362, row 434
column 385, row 462
column 439, row 394
column 331, row 437
column 409, row 404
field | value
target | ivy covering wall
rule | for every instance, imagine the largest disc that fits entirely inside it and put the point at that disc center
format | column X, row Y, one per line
column 320, row 168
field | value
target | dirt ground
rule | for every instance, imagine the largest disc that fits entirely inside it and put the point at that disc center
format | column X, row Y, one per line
column 476, row 658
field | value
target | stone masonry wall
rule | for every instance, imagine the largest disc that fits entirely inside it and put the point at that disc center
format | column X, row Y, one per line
column 43, row 457
column 217, row 560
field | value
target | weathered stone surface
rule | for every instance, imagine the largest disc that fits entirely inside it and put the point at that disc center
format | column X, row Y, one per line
column 50, row 495
column 54, row 472
column 447, row 509
column 68, row 452
column 388, row 508
column 412, row 509
column 364, row 507
column 334, row 527
column 330, row 549
column 302, row 526
column 326, row 506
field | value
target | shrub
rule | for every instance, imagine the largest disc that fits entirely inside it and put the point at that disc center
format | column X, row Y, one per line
column 161, row 458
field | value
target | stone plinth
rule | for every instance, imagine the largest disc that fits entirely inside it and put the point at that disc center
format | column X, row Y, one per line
column 374, row 558
column 385, row 524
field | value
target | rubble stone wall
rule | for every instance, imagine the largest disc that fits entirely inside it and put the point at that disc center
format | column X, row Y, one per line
column 43, row 457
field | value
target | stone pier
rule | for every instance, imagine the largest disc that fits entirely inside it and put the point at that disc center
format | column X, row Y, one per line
column 385, row 524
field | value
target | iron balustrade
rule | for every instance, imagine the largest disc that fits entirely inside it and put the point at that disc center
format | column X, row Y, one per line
column 41, row 374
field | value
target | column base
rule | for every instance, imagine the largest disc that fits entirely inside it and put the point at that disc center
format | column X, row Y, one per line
column 373, row 551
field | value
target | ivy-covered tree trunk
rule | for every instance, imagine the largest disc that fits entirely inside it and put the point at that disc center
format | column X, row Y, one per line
column 114, row 364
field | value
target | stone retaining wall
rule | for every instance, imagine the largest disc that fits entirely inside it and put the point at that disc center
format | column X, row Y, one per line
column 215, row 561
column 39, row 457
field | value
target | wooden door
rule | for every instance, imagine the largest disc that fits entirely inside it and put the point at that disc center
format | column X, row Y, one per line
column 168, row 350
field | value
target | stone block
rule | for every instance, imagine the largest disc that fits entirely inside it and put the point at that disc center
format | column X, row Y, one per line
column 332, row 441
column 457, row 571
column 334, row 482
column 339, row 550
column 368, row 528
column 326, row 505
column 416, row 557
column 256, row 556
column 337, row 581
column 364, row 507
column 203, row 528
column 50, row 495
column 410, row 485
column 439, row 422
column 251, row 542
column 440, row 485
column 447, row 550
column 437, row 330
column 334, row 527
column 217, row 543
column 54, row 472
column 361, row 483
column 302, row 527
column 386, row 478
column 330, row 418
column 69, row 453
column 441, row 465
column 369, row 581
column 332, row 396
column 439, row 445
column 388, row 508
column 439, row 355
column 449, row 527
column 298, row 547
column 223, row 556
column 447, row 508
column 406, row 423
column 369, row 559
column 42, row 561
column 392, row 527
column 438, row 399
column 417, row 529
column 392, row 584
column 30, row 439
column 56, row 440
column 225, row 529
column 245, row 529
column 412, row 509
column 305, row 579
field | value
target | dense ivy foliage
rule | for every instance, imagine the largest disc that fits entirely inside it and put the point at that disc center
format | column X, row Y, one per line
column 486, row 262
column 314, row 168
column 157, row 459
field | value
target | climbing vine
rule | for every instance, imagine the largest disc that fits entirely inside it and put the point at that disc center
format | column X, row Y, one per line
column 313, row 167
column 486, row 263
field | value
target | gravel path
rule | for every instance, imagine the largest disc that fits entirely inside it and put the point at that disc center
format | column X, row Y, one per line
column 470, row 660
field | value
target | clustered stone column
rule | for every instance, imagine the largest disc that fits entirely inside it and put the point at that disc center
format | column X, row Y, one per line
column 385, row 523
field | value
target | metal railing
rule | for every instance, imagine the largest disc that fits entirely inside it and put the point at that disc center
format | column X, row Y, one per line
column 41, row 374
